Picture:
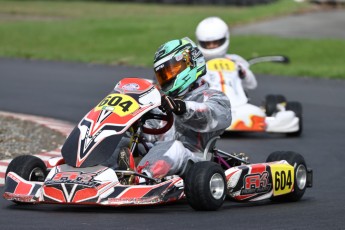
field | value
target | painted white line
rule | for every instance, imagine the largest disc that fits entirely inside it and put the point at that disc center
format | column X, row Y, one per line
column 44, row 158
column 3, row 168
column 48, row 154
column 6, row 161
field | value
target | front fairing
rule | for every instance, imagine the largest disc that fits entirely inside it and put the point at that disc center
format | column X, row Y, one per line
column 96, row 136
column 96, row 185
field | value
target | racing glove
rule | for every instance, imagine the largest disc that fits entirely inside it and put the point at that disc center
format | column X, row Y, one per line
column 241, row 72
column 176, row 106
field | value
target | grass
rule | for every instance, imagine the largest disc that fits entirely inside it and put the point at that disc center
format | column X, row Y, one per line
column 310, row 58
column 125, row 33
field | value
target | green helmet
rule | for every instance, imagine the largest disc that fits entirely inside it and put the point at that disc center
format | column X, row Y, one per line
column 177, row 65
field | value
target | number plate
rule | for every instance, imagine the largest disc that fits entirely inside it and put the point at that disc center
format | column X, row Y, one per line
column 221, row 64
column 283, row 178
column 120, row 104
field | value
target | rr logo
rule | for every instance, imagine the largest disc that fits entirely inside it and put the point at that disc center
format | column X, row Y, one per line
column 73, row 176
column 256, row 184
column 253, row 181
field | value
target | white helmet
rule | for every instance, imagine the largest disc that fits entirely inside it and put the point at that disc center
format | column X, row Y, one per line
column 213, row 37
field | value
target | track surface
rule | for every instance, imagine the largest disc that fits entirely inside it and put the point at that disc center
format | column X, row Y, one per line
column 68, row 90
column 314, row 25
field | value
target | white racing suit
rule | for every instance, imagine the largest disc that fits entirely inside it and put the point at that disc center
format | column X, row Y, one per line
column 208, row 115
column 249, row 81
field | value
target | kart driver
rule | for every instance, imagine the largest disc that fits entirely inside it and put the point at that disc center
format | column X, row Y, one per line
column 213, row 37
column 200, row 113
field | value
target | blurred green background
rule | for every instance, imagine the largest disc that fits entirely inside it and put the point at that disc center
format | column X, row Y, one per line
column 129, row 33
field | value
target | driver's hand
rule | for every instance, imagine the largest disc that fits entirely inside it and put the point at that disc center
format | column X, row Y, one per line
column 241, row 72
column 176, row 106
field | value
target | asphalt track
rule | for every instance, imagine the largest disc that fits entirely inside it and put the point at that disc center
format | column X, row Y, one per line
column 322, row 24
column 68, row 90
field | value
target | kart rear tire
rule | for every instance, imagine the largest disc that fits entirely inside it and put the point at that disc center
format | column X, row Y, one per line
column 28, row 167
column 205, row 186
column 280, row 98
column 300, row 183
column 296, row 107
column 271, row 103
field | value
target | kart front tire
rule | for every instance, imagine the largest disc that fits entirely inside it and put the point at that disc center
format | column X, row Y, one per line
column 296, row 107
column 28, row 167
column 271, row 103
column 205, row 186
column 300, row 182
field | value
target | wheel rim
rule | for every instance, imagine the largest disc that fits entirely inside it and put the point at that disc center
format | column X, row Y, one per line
column 217, row 186
column 301, row 176
column 36, row 174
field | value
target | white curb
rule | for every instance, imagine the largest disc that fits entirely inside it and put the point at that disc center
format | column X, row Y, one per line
column 62, row 127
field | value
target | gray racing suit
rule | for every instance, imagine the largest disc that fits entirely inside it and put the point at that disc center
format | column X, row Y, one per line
column 208, row 115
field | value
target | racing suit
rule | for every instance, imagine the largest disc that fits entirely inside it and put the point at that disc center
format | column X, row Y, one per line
column 248, row 80
column 207, row 115
column 247, row 77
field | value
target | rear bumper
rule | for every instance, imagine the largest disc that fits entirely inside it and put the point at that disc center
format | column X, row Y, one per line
column 309, row 178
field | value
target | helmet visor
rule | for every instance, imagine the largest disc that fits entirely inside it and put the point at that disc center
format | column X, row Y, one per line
column 167, row 72
column 212, row 44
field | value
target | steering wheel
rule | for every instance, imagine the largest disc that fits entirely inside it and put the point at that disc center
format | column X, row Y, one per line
column 168, row 117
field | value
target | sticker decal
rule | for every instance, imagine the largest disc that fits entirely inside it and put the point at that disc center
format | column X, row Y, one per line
column 283, row 178
column 256, row 183
column 179, row 57
column 131, row 87
column 119, row 104
column 80, row 178
column 221, row 64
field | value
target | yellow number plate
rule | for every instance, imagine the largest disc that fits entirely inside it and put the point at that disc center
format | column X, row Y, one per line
column 283, row 178
column 221, row 64
column 120, row 104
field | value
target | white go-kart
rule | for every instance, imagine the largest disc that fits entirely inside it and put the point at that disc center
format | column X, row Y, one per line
column 276, row 115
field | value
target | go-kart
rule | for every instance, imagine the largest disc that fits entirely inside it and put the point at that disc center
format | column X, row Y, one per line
column 277, row 115
column 80, row 177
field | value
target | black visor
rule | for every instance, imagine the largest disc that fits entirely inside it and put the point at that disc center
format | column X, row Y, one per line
column 212, row 44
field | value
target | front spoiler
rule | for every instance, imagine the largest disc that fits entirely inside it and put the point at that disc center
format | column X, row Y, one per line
column 107, row 194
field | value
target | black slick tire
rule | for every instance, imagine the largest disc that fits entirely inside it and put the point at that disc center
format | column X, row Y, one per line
column 271, row 102
column 205, row 186
column 296, row 160
column 28, row 167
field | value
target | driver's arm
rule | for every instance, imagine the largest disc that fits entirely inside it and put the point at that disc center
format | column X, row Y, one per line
column 154, row 124
column 213, row 114
column 248, row 77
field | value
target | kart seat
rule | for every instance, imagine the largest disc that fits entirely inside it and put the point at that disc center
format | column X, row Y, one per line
column 207, row 155
column 208, row 152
